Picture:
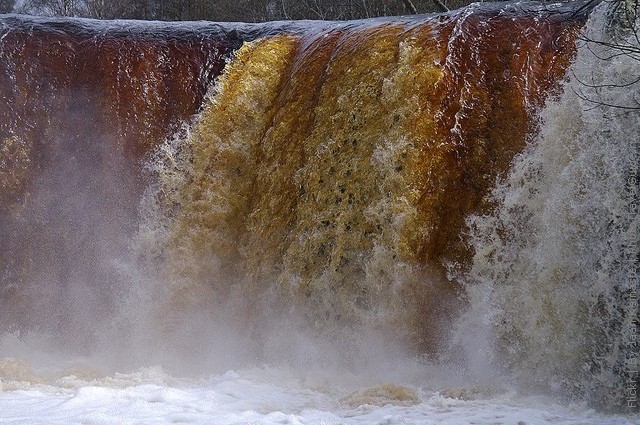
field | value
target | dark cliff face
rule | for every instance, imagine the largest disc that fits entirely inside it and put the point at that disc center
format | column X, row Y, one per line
column 84, row 102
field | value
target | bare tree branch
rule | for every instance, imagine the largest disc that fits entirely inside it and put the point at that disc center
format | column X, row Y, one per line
column 621, row 39
column 440, row 6
column 410, row 6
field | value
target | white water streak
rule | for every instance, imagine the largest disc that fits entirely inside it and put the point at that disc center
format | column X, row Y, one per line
column 552, row 280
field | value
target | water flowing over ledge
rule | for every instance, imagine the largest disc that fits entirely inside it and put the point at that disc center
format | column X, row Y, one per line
column 176, row 193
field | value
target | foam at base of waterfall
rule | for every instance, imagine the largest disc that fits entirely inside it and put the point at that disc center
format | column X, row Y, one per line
column 272, row 396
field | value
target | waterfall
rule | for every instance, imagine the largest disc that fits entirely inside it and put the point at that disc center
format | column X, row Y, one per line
column 449, row 187
column 554, row 281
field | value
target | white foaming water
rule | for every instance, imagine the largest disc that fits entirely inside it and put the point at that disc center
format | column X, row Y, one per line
column 268, row 396
column 553, row 287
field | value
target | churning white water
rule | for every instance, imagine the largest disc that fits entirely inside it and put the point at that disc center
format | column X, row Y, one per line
column 554, row 282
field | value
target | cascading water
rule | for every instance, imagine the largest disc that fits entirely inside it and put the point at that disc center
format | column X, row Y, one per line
column 554, row 281
column 332, row 201
column 329, row 174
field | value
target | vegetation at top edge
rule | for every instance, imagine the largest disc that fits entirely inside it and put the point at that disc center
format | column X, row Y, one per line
column 228, row 10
